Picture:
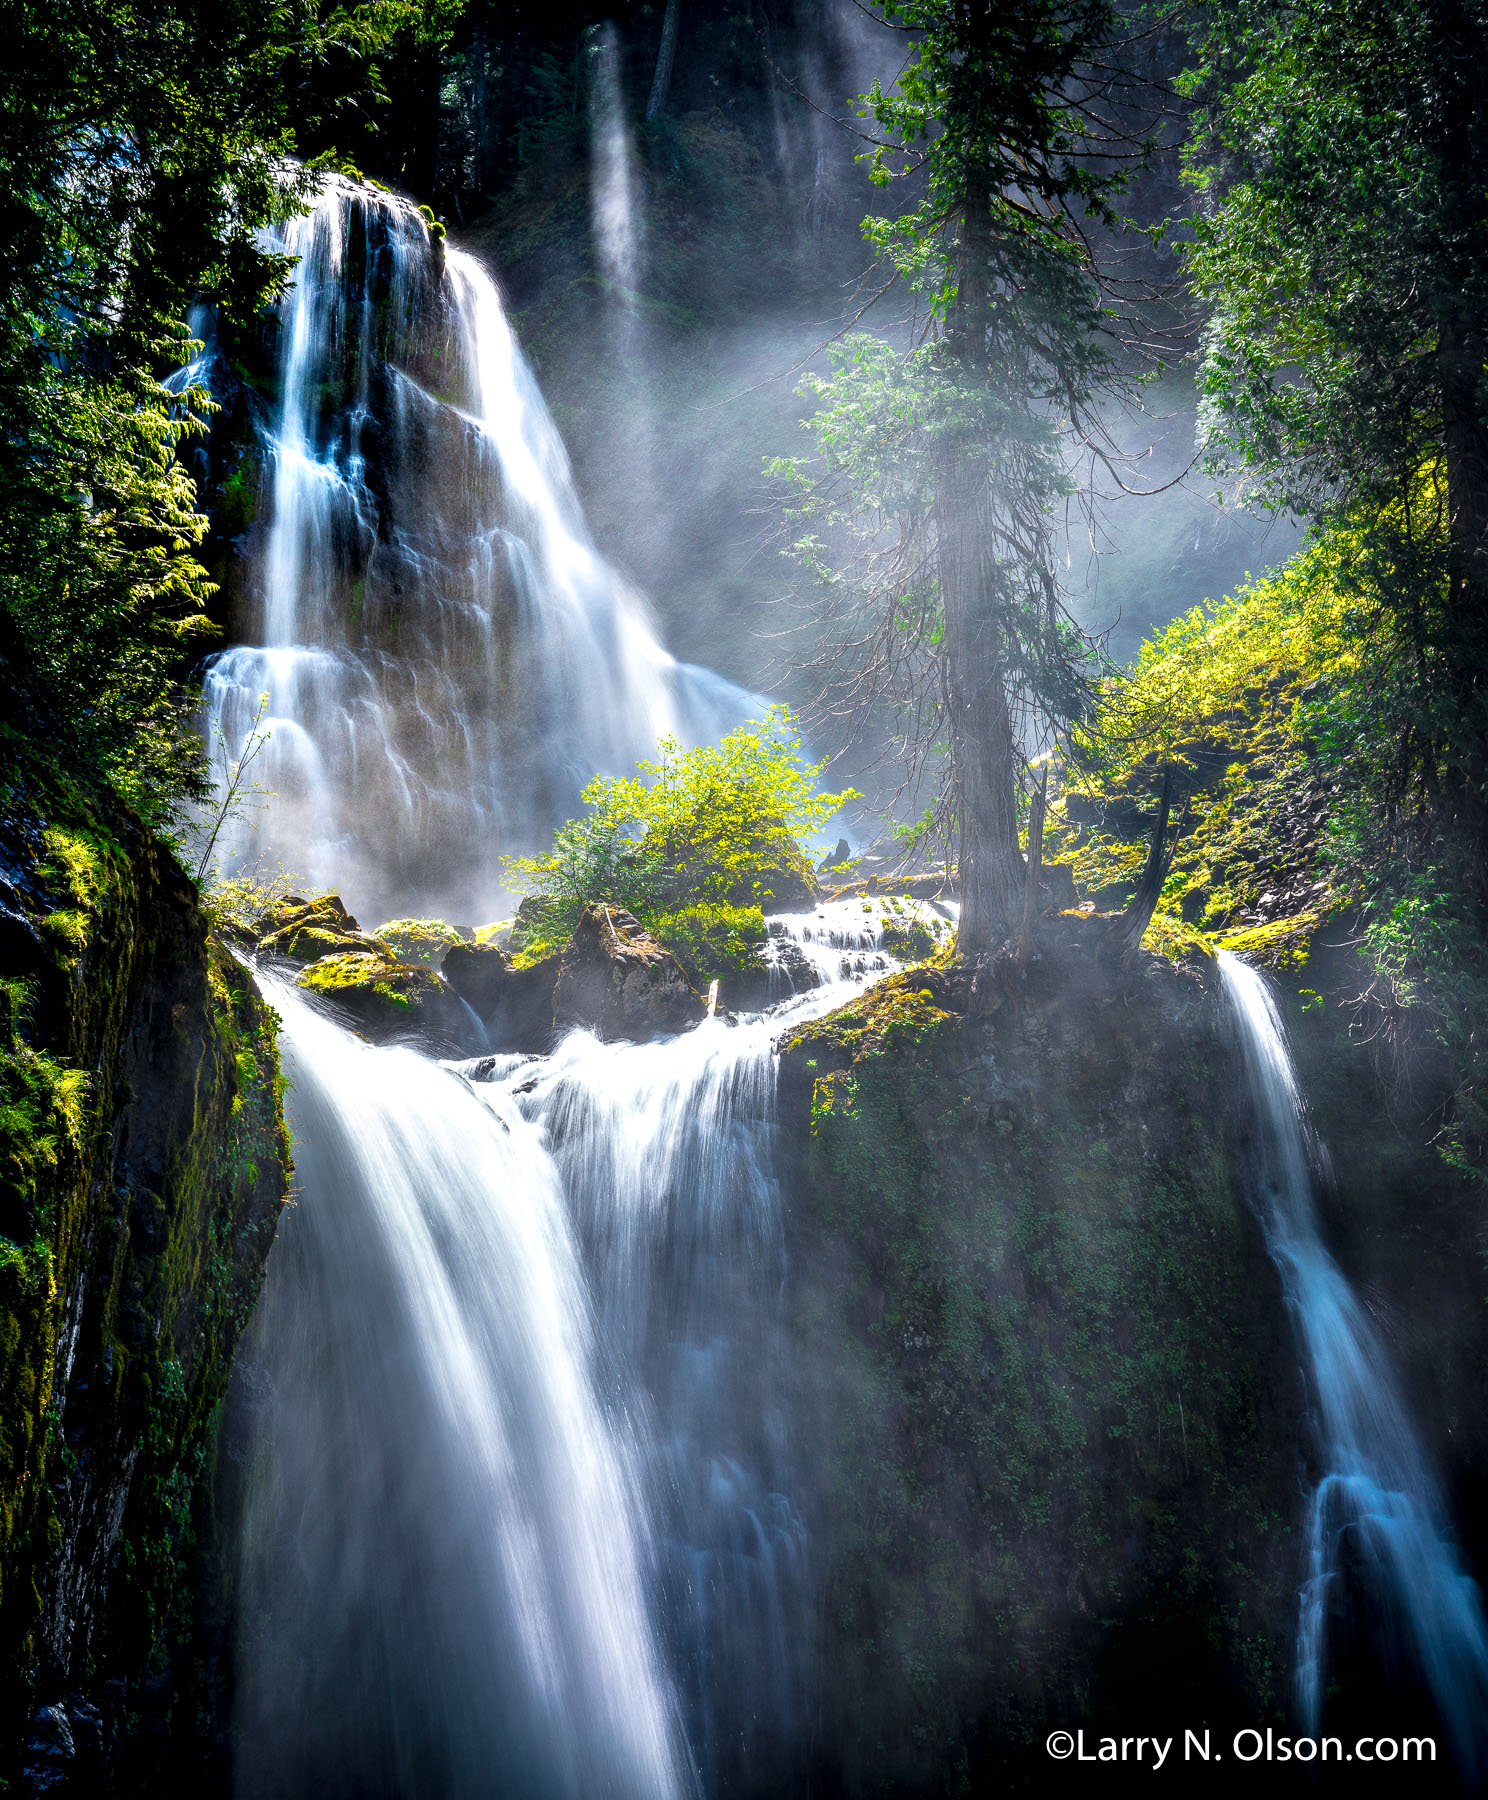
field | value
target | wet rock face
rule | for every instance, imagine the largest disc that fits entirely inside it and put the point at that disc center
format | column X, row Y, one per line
column 789, row 970
column 479, row 973
column 514, row 1006
column 619, row 982
column 140, row 1188
column 386, row 1000
column 1045, row 1393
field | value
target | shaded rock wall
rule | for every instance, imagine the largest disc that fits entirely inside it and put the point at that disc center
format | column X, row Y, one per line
column 143, row 1163
column 1043, row 1352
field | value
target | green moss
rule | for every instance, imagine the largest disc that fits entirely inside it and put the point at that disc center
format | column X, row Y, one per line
column 907, row 1009
column 356, row 969
column 383, row 997
column 117, row 999
column 1280, row 943
column 419, row 940
column 1228, row 697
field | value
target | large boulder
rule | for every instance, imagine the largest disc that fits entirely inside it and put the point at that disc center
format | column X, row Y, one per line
column 480, row 974
column 423, row 941
column 305, row 931
column 515, row 1005
column 619, row 982
column 387, row 1000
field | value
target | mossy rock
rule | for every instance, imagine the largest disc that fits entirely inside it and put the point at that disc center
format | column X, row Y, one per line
column 422, row 941
column 327, row 910
column 1046, row 1396
column 385, row 999
column 306, row 931
column 619, row 982
column 143, row 1162
column 308, row 943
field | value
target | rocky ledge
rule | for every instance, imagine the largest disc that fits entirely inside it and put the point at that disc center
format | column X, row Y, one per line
column 612, row 977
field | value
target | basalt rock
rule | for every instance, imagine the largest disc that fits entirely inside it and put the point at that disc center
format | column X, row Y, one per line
column 1042, row 1365
column 514, row 1005
column 479, row 973
column 789, row 970
column 619, row 982
column 388, row 1000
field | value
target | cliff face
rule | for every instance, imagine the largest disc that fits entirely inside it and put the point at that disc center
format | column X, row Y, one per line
column 143, row 1163
column 1044, row 1358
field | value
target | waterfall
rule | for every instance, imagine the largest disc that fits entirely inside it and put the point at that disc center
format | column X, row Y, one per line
column 613, row 201
column 1377, row 1496
column 520, row 1511
column 442, row 656
column 443, row 1560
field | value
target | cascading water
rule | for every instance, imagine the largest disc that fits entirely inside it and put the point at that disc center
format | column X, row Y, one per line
column 518, row 1515
column 1377, row 1496
column 445, row 656
column 443, row 1554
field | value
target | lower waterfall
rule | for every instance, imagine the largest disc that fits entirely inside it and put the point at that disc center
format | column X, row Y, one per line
column 518, row 1514
column 1377, row 1504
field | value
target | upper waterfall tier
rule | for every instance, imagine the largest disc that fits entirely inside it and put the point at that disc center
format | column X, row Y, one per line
column 442, row 656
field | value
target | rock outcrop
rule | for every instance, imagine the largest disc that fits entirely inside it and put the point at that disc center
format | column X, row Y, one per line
column 360, row 977
column 304, row 931
column 513, row 1004
column 143, row 1163
column 1042, row 1364
column 619, row 982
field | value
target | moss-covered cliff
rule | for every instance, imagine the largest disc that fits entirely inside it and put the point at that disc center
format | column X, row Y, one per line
column 143, row 1163
column 1047, row 1365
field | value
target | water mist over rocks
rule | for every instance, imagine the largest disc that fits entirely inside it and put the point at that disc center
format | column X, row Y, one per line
column 445, row 656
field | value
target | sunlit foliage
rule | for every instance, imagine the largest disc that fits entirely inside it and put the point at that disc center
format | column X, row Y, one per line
column 715, row 826
column 1342, row 249
column 1231, row 696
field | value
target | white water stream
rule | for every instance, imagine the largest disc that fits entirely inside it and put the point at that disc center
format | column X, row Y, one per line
column 443, row 657
column 1378, row 1501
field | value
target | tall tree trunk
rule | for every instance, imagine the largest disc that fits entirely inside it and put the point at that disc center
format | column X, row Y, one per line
column 665, row 56
column 984, row 756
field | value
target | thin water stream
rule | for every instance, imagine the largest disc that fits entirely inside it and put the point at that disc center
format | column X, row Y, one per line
column 1377, row 1504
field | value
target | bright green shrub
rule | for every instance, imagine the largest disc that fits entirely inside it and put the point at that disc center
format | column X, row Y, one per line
column 713, row 826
